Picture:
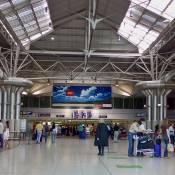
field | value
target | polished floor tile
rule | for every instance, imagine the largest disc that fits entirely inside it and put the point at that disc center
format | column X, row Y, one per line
column 71, row 156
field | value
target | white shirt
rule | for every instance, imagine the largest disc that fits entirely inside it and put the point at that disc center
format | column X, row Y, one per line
column 1, row 128
column 171, row 130
column 141, row 127
column 6, row 134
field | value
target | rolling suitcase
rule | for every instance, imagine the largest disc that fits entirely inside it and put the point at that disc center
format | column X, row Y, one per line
column 157, row 150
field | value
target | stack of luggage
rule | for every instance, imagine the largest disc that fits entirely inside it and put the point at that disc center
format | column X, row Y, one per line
column 145, row 145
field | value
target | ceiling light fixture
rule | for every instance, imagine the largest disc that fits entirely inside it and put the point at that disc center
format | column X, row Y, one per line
column 48, row 82
column 52, row 38
column 24, row 93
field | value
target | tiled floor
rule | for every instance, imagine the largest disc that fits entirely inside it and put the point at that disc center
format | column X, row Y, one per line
column 78, row 157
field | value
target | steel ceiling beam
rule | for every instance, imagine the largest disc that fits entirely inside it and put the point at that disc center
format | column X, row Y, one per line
column 81, row 53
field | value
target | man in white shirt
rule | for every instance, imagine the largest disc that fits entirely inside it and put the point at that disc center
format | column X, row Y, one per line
column 1, row 133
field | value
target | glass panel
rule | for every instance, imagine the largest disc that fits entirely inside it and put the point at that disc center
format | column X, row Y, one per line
column 134, row 40
column 45, row 102
column 171, row 10
column 33, row 101
column 128, row 103
column 4, row 5
column 143, row 45
column 159, row 4
column 138, row 103
column 24, row 100
column 149, row 38
column 118, row 103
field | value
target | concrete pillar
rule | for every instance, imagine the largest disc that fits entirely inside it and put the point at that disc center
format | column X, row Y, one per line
column 12, row 124
column 5, row 104
column 17, row 125
column 0, row 103
column 18, row 108
column 165, row 104
column 18, row 102
column 162, row 106
column 8, row 90
column 149, row 106
column 12, row 103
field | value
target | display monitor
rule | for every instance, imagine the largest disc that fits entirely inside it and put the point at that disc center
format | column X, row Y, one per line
column 82, row 96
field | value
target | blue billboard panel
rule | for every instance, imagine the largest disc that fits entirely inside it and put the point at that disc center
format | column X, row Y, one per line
column 97, row 95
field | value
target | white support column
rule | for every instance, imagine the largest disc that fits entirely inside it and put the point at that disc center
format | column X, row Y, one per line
column 155, row 108
column 12, row 104
column 162, row 106
column 18, row 102
column 149, row 108
column 165, row 104
column 8, row 90
column 5, row 104
column 0, row 103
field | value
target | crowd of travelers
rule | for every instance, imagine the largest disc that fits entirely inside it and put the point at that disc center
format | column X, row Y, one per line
column 163, row 136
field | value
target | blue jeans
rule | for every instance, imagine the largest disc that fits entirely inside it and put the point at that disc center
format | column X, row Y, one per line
column 39, row 133
column 1, row 140
column 130, row 144
column 53, row 136
column 166, row 141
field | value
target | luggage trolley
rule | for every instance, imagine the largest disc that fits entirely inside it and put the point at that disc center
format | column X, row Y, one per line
column 144, row 144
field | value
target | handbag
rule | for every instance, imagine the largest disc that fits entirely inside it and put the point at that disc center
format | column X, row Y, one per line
column 170, row 147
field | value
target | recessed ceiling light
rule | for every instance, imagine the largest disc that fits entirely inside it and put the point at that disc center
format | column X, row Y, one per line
column 52, row 38
column 24, row 93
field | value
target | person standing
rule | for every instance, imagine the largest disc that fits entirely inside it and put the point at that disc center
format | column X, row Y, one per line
column 166, row 138
column 53, row 132
column 101, row 137
column 1, row 133
column 116, row 132
column 39, row 129
column 171, row 133
column 46, row 131
column 134, row 128
column 6, row 135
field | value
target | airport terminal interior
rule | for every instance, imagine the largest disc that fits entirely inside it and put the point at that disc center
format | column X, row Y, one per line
column 87, row 87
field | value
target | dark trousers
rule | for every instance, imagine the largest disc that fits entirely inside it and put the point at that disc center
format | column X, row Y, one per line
column 1, row 140
column 101, row 149
column 46, row 136
column 166, row 147
column 172, row 139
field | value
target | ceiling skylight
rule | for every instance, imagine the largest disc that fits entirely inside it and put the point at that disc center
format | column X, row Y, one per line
column 145, row 20
column 29, row 19
column 163, row 8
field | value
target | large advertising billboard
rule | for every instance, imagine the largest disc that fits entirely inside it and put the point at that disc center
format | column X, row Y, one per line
column 82, row 96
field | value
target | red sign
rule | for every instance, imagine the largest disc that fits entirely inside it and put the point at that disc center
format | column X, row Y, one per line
column 70, row 93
